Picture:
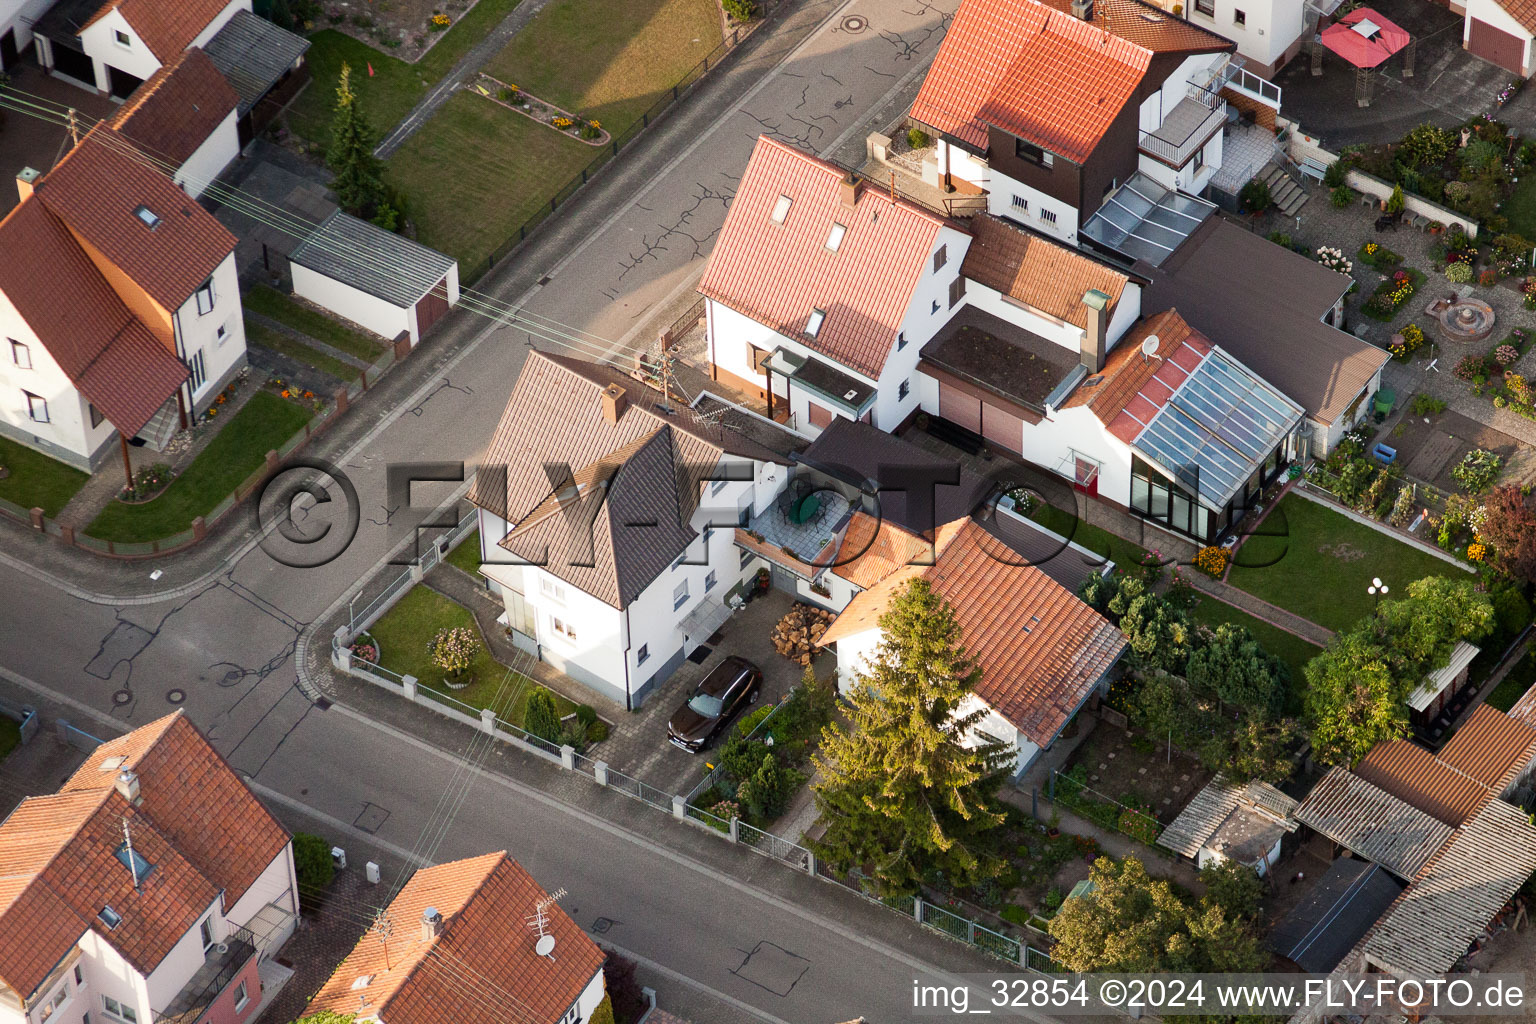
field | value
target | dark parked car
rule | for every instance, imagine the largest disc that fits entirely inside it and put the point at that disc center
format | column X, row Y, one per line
column 719, row 697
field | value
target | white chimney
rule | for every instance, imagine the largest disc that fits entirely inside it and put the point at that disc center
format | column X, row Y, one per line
column 128, row 785
column 1095, row 336
column 26, row 182
column 431, row 924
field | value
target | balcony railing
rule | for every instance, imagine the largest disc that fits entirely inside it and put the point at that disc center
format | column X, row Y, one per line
column 223, row 963
column 1186, row 128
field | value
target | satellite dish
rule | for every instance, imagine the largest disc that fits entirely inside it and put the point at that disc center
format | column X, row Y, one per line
column 545, row 945
column 1149, row 346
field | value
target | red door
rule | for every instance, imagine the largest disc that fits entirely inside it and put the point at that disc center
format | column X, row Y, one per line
column 1085, row 475
column 1496, row 46
column 431, row 308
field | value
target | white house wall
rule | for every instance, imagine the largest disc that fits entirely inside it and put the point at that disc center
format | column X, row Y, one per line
column 183, row 961
column 1048, row 442
column 106, row 973
column 220, row 20
column 1270, row 28
column 68, row 434
column 210, row 158
column 101, row 45
column 988, row 300
column 200, row 333
column 382, row 318
column 963, row 165
column 1000, row 203
column 19, row 16
column 277, row 884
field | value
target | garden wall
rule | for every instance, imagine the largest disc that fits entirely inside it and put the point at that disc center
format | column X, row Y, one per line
column 1303, row 146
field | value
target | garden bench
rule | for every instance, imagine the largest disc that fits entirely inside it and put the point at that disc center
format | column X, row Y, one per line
column 1311, row 167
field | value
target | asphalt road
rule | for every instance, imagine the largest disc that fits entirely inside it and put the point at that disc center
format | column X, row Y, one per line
column 730, row 933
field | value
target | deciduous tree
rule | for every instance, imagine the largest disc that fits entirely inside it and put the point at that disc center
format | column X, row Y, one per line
column 1511, row 529
column 900, row 792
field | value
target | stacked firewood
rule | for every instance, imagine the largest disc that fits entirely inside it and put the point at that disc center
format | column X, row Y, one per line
column 798, row 634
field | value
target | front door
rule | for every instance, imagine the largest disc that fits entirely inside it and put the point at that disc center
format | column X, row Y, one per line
column 1085, row 475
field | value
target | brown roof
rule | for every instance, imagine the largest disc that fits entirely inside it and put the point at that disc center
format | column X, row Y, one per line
column 177, row 108
column 115, row 361
column 1132, row 387
column 1150, row 26
column 1491, row 747
column 1408, row 771
column 195, row 800
column 1037, row 271
column 1034, row 72
column 1372, row 822
column 59, row 852
column 166, row 28
column 555, row 415
column 778, row 273
column 1265, row 306
column 872, row 549
column 95, row 190
column 1041, row 650
column 484, row 902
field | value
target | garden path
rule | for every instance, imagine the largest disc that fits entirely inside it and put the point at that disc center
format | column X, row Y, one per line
column 1158, row 863
column 1260, row 609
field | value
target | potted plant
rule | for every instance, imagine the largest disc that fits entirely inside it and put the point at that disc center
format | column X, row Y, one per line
column 762, row 580
column 453, row 649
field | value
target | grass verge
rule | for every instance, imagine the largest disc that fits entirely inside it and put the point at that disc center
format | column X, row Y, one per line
column 396, row 86
column 283, row 309
column 1288, row 647
column 467, row 555
column 35, row 480
column 10, row 736
column 277, row 341
column 263, row 424
column 1520, row 207
column 404, row 632
column 1317, row 563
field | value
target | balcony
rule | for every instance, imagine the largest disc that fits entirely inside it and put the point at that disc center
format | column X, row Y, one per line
column 224, row 962
column 1188, row 126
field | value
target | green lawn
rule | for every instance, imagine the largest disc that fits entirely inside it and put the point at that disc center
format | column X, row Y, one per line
column 395, row 86
column 277, row 341
column 1119, row 550
column 608, row 61
column 1318, row 564
column 404, row 632
column 36, row 481
column 283, row 309
column 1513, row 686
column 10, row 736
column 1288, row 647
column 1520, row 207
column 467, row 555
column 264, row 424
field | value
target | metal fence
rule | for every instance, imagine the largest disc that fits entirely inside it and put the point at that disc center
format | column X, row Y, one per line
column 619, row 141
column 642, row 791
column 77, row 738
column 1103, row 809
column 358, row 621
column 777, row 847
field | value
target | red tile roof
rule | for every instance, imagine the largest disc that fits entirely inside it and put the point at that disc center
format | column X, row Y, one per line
column 873, row 548
column 166, row 28
column 1041, row 650
column 115, row 361
column 1031, row 71
column 484, row 902
column 1037, row 271
column 1147, row 25
column 95, row 190
column 177, row 108
column 1131, row 388
column 778, row 273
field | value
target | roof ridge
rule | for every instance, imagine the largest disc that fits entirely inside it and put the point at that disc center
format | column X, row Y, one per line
column 839, row 171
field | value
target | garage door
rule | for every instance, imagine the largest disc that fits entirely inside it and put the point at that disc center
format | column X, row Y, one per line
column 1496, row 46
column 959, row 407
column 1001, row 427
column 432, row 307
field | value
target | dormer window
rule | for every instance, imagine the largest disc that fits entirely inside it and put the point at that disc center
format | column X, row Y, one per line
column 835, row 236
column 813, row 324
column 781, row 209
column 149, row 217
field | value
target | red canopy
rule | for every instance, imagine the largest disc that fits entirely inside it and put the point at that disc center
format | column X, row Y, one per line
column 1364, row 38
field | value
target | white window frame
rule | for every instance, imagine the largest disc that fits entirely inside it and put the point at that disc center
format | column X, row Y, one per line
column 710, row 579
column 58, row 1002
column 205, row 932
column 127, row 1014
column 552, row 590
column 34, row 403
column 680, row 595
column 781, row 209
column 563, row 629
column 21, row 354
column 222, row 335
column 814, row 321
column 205, row 289
column 242, row 996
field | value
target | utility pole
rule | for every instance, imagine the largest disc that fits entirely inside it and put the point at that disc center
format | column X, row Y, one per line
column 382, row 927
column 74, row 127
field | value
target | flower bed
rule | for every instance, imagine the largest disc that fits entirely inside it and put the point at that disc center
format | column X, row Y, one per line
column 147, row 484
column 1390, row 295
column 510, row 96
column 1379, row 256
column 1406, row 342
column 1492, row 371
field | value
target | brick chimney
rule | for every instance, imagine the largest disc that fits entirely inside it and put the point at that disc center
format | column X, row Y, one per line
column 1095, row 336
column 614, row 404
column 1082, row 10
column 431, row 924
column 26, row 182
column 848, row 190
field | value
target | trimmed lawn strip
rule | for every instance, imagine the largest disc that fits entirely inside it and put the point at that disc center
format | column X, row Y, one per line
column 1288, row 647
column 266, row 337
column 608, row 61
column 396, row 86
column 10, row 736
column 1317, row 563
column 1520, row 207
column 1514, row 684
column 467, row 555
column 404, row 632
column 274, row 304
column 1122, row 552
column 36, row 481
column 263, row 424
column 477, row 172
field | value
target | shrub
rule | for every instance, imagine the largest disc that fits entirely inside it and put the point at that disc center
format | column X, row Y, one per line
column 541, row 717
column 1402, row 508
column 591, row 129
column 917, row 138
column 1488, row 278
column 1396, row 201
column 1280, row 238
column 740, row 10
column 1427, row 144
column 1334, row 259
column 1412, row 338
column 623, row 988
column 1211, row 560
column 1254, row 197
column 1139, row 826
column 1458, row 273
column 1477, row 471
column 1341, row 196
column 767, row 791
column 1426, row 405
column 313, row 865
column 586, row 714
column 1014, row 914
column 604, row 1012
column 1457, row 192
column 1334, row 176
column 453, row 650
column 1504, row 355
column 597, row 731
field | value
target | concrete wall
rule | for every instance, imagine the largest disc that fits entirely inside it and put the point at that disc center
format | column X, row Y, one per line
column 1303, row 146
column 382, row 318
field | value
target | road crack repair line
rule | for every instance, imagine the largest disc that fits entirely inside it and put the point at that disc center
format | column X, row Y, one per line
column 443, row 385
column 651, row 248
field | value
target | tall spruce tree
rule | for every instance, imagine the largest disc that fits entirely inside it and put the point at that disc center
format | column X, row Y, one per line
column 897, row 789
column 359, row 183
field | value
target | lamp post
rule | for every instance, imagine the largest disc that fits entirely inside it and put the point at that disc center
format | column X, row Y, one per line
column 1377, row 589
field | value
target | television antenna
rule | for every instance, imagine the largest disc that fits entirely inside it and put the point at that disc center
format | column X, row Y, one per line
column 1149, row 347
column 539, row 922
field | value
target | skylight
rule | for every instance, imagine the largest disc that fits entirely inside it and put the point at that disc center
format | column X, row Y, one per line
column 133, row 861
column 781, row 209
column 110, row 917
column 813, row 325
column 835, row 237
column 150, row 218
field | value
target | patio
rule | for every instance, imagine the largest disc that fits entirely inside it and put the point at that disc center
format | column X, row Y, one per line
column 803, row 522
